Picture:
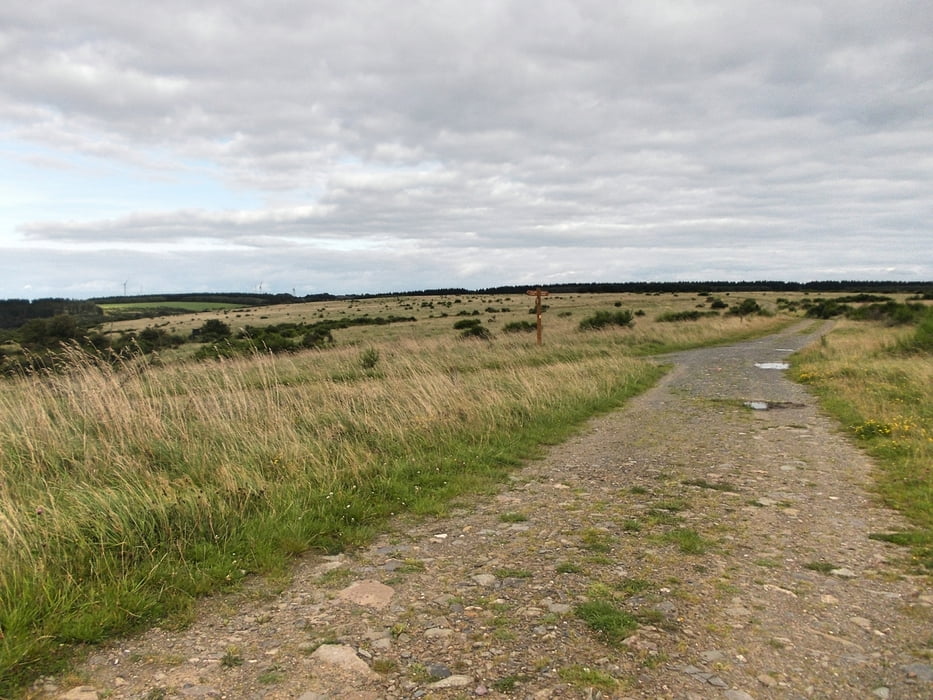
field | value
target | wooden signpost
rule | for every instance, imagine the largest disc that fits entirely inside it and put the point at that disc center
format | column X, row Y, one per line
column 537, row 294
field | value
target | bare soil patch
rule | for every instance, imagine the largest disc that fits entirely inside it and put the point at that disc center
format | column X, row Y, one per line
column 736, row 538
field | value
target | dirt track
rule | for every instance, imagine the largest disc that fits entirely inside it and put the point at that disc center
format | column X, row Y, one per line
column 781, row 595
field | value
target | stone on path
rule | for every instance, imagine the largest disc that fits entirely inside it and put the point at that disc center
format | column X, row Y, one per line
column 82, row 692
column 702, row 675
column 372, row 594
column 737, row 695
column 843, row 573
column 766, row 680
column 921, row 671
column 344, row 658
column 452, row 682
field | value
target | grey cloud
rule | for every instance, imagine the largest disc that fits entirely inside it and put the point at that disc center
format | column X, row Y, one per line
column 580, row 127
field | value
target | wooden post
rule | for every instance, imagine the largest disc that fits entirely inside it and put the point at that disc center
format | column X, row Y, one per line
column 537, row 294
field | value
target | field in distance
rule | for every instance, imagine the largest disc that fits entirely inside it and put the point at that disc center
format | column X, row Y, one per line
column 435, row 316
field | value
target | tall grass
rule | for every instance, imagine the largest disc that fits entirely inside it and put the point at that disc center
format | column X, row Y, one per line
column 128, row 491
column 880, row 386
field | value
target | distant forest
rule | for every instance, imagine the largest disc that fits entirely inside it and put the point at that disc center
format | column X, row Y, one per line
column 876, row 287
column 16, row 312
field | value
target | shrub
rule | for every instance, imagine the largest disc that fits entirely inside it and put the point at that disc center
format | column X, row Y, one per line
column 601, row 319
column 40, row 333
column 467, row 323
column 317, row 338
column 159, row 337
column 922, row 339
column 746, row 308
column 694, row 315
column 477, row 331
column 825, row 308
column 891, row 312
column 520, row 327
column 217, row 351
column 369, row 358
column 211, row 331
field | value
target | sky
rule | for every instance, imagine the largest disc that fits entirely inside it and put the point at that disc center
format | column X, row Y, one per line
column 367, row 146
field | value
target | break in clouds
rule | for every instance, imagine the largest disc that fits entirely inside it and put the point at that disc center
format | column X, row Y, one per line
column 383, row 146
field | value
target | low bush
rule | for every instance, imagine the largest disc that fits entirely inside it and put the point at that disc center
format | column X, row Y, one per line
column 467, row 323
column 824, row 308
column 693, row 315
column 478, row 331
column 746, row 308
column 211, row 331
column 602, row 319
column 922, row 339
column 520, row 327
column 891, row 312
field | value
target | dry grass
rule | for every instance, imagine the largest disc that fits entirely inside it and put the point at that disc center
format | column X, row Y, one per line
column 884, row 397
column 129, row 489
column 435, row 316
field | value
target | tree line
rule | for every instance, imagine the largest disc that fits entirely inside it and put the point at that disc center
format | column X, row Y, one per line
column 15, row 312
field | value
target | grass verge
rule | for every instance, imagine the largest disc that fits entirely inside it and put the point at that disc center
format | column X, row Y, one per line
column 881, row 389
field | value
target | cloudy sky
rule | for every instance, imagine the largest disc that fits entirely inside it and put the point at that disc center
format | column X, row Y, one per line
column 385, row 145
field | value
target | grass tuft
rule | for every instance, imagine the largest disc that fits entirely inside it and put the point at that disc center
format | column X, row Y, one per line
column 688, row 541
column 584, row 676
column 611, row 623
column 713, row 485
column 513, row 517
column 569, row 568
column 596, row 540
column 823, row 567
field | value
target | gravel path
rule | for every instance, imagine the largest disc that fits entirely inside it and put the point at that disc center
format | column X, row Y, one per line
column 737, row 537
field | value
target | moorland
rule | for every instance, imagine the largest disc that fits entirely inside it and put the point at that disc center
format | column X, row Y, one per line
column 171, row 457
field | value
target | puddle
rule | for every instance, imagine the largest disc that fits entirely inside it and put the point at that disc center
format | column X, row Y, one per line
column 768, row 405
column 772, row 365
